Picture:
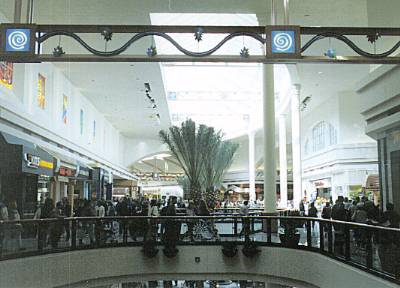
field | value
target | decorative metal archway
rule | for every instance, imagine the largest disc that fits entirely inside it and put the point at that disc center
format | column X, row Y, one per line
column 38, row 35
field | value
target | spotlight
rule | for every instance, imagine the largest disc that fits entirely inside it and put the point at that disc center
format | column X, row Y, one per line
column 147, row 87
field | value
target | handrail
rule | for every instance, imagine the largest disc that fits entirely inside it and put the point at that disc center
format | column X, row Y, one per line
column 336, row 239
column 262, row 217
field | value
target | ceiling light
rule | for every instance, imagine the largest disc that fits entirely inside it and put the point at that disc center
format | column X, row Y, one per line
column 320, row 72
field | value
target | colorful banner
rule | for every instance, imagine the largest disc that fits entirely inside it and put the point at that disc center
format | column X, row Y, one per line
column 41, row 96
column 65, row 109
column 6, row 74
column 81, row 122
column 94, row 129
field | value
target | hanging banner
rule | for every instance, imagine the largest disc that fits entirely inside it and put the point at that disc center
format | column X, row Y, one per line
column 65, row 109
column 41, row 96
column 6, row 74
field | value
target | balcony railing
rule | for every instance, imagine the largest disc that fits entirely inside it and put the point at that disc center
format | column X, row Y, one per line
column 371, row 248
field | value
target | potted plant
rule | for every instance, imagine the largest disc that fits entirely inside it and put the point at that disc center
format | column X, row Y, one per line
column 170, row 251
column 149, row 249
column 290, row 237
column 250, row 249
column 229, row 249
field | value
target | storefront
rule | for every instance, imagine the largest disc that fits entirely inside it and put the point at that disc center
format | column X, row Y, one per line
column 323, row 189
column 102, row 184
column 389, row 167
column 25, row 173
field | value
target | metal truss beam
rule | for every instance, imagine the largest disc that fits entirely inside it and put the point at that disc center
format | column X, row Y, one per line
column 213, row 59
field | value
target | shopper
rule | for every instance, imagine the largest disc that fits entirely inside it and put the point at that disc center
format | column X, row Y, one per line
column 312, row 212
column 13, row 231
column 389, row 244
column 153, row 223
column 339, row 213
column 302, row 208
column 244, row 211
column 3, row 217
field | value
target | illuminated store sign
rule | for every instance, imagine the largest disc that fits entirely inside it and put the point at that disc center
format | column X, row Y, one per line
column 32, row 161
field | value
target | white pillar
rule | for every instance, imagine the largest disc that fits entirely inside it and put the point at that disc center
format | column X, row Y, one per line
column 283, row 160
column 296, row 146
column 252, row 168
column 269, row 139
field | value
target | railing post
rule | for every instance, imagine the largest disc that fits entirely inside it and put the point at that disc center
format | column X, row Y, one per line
column 73, row 234
column 321, row 236
column 97, row 231
column 309, row 231
column 368, row 247
column 330, row 240
column 125, row 231
column 347, row 242
column 269, row 228
column 39, row 236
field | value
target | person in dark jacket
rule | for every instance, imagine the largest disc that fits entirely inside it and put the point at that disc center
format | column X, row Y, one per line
column 339, row 213
column 389, row 244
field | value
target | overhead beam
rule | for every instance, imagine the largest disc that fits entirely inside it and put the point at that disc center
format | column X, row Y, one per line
column 183, row 58
column 213, row 29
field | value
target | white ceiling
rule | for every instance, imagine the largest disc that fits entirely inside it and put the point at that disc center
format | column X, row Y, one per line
column 117, row 89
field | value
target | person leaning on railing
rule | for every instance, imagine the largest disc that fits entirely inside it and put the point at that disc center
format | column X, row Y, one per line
column 339, row 213
column 389, row 242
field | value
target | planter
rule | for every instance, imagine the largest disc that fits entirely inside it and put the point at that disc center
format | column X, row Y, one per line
column 229, row 249
column 149, row 249
column 170, row 251
column 290, row 240
column 250, row 249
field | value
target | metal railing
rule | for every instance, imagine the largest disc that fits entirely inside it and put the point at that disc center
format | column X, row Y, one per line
column 371, row 248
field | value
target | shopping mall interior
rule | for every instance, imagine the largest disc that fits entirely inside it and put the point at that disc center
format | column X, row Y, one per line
column 263, row 133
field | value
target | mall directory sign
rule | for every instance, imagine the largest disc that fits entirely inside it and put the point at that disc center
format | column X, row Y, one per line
column 283, row 42
column 17, row 39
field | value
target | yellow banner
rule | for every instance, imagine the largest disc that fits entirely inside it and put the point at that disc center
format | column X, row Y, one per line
column 46, row 164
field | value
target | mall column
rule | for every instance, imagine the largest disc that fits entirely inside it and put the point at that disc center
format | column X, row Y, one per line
column 296, row 145
column 71, row 188
column 269, row 139
column 283, row 161
column 252, row 172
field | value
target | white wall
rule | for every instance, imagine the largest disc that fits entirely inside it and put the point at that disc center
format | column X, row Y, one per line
column 22, row 102
column 138, row 148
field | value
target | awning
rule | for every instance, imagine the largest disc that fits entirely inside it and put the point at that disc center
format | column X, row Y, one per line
column 68, row 166
column 30, row 159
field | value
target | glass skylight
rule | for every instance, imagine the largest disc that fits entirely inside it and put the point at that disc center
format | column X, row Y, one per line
column 225, row 96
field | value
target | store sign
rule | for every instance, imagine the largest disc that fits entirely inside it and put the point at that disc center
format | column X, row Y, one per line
column 283, row 41
column 323, row 183
column 68, row 172
column 32, row 161
column 46, row 164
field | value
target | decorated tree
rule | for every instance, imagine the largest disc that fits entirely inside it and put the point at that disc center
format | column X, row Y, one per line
column 203, row 156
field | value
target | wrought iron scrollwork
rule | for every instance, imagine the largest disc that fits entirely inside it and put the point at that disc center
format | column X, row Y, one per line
column 138, row 36
column 350, row 44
